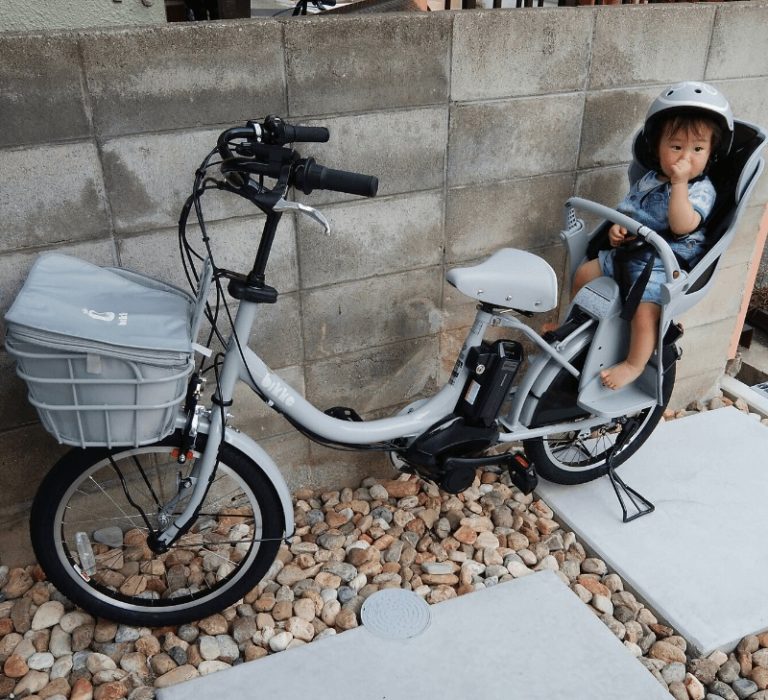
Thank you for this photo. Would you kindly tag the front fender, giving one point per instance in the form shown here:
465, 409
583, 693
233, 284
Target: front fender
254, 451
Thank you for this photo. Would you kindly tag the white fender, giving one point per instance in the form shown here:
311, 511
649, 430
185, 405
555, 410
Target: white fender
252, 449
243, 443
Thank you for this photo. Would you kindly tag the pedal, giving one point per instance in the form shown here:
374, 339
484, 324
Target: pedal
344, 413
522, 473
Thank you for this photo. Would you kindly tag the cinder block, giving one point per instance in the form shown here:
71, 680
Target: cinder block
184, 75
739, 46
604, 185
506, 139
747, 97
42, 96
367, 313
26, 454
335, 469
234, 244
51, 194
723, 300
742, 248
705, 347
405, 149
276, 335
611, 119
291, 453
372, 238
509, 53
368, 62
376, 377
149, 177
525, 214
15, 266
635, 46
15, 410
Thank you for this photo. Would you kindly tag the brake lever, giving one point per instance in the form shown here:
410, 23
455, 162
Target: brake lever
285, 205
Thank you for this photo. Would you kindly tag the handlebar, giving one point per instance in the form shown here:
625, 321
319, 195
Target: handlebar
635, 228
261, 150
309, 175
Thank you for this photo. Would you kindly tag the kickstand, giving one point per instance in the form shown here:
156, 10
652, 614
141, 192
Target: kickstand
641, 504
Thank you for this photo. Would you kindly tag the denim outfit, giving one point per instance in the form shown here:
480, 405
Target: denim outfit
648, 203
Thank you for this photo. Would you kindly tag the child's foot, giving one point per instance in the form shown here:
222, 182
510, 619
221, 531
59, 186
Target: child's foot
620, 375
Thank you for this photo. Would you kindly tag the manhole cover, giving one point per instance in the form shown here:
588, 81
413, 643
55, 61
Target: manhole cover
395, 613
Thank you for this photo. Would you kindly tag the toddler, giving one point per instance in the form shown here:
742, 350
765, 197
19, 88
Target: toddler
686, 127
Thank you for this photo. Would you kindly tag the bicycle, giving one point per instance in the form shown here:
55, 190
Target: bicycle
180, 521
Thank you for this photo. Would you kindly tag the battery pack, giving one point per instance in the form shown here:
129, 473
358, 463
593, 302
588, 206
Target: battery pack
492, 371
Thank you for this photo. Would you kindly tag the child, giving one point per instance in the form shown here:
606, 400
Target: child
687, 126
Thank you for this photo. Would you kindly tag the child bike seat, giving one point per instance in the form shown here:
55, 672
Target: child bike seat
509, 278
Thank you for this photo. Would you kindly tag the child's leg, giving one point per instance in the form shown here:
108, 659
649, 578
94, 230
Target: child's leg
642, 343
587, 272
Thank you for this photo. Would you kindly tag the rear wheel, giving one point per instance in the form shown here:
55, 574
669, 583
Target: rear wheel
578, 456
91, 525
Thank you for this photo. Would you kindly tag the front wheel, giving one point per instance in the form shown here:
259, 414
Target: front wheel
93, 515
575, 457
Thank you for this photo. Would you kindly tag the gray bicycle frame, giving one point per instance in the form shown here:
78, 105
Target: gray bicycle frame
241, 363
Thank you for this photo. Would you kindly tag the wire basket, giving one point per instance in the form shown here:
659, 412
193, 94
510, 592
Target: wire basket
125, 403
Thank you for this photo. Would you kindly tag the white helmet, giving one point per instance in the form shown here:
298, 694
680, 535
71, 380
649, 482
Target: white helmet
689, 97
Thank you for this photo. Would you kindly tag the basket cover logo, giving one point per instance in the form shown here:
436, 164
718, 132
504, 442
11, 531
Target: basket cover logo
108, 316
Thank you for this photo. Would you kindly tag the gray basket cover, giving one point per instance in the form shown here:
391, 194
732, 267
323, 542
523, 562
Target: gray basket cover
69, 304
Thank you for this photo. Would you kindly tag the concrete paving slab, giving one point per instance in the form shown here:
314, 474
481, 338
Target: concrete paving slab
529, 638
700, 559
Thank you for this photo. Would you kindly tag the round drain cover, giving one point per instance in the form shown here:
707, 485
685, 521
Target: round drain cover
395, 613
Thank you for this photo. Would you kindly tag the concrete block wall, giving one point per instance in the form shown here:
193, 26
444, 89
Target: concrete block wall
478, 124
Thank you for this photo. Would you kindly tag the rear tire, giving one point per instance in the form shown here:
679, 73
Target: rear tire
566, 458
230, 546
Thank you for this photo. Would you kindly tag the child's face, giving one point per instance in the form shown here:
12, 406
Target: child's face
685, 152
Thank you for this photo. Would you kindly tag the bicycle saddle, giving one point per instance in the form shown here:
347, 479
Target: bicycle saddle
509, 278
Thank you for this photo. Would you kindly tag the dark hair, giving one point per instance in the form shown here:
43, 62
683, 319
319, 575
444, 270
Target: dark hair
685, 120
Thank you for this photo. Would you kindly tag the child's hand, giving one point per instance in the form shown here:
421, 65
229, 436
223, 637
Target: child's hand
618, 235
681, 172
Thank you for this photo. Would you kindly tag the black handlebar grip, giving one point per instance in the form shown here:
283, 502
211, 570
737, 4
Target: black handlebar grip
316, 176
306, 134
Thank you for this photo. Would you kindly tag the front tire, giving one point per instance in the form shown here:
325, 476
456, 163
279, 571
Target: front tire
109, 500
568, 458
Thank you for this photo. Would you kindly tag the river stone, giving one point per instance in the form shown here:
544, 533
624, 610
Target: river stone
176, 675
723, 690
32, 682
673, 672
704, 669
209, 647
729, 671
48, 615
743, 687
41, 661
110, 536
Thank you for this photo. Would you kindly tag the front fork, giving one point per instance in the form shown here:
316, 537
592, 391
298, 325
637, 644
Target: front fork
204, 469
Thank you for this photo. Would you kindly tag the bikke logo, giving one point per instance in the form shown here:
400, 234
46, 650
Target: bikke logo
279, 390
107, 316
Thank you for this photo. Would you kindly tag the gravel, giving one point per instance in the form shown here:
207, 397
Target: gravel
350, 543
